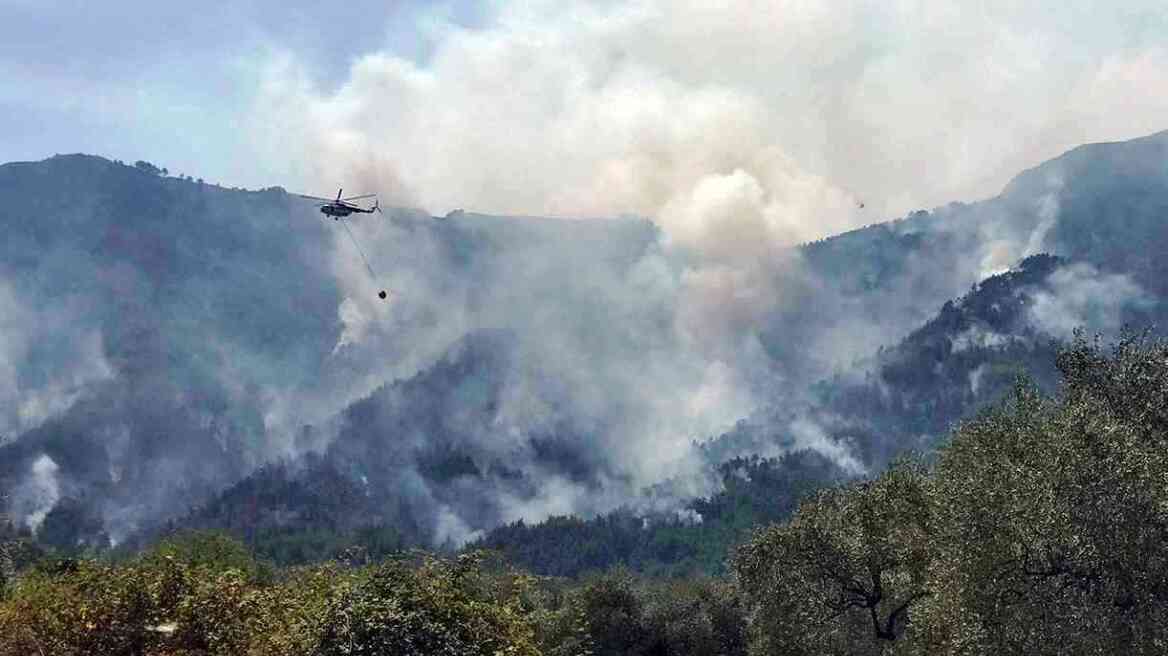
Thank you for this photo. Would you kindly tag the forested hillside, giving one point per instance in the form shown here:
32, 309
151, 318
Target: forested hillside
185, 355
966, 358
691, 542
1036, 528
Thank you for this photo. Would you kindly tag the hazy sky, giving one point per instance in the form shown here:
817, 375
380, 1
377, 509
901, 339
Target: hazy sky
174, 82
792, 109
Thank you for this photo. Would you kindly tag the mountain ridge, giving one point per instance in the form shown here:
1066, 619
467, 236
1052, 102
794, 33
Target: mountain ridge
213, 345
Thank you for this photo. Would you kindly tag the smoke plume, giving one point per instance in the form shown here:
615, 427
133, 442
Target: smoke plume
217, 331
37, 494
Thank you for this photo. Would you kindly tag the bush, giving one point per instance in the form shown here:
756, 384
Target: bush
441, 607
89, 609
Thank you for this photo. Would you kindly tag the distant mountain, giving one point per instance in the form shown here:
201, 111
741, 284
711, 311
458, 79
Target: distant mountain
1087, 228
165, 337
905, 396
144, 316
177, 351
1101, 204
403, 456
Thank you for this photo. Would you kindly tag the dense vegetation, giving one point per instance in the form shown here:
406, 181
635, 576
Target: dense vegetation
754, 491
1038, 529
693, 539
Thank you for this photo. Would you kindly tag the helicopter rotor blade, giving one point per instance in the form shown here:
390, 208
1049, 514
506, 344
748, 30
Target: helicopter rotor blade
339, 194
358, 197
326, 200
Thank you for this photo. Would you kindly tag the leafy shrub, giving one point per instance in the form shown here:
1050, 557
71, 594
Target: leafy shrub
441, 607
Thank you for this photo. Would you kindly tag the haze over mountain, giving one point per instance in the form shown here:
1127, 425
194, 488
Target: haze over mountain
164, 338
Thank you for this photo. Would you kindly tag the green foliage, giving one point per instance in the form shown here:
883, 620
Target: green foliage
443, 607
291, 615
695, 617
214, 613
614, 615
844, 574
204, 594
619, 614
561, 628
1055, 514
147, 167
754, 490
298, 546
207, 551
194, 593
89, 609
1039, 531
10, 546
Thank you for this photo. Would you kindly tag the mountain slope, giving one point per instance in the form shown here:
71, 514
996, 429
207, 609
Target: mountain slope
147, 316
1099, 204
165, 338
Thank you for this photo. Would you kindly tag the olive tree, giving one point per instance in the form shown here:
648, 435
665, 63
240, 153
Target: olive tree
1053, 515
845, 574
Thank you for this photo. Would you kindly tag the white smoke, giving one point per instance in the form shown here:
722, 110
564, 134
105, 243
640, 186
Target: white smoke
38, 383
809, 435
623, 108
37, 494
1007, 235
1048, 212
977, 337
539, 116
1080, 296
740, 128
975, 377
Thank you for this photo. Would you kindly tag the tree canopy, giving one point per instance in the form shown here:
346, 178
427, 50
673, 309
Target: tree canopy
1040, 530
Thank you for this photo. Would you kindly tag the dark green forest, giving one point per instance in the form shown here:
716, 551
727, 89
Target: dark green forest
1035, 527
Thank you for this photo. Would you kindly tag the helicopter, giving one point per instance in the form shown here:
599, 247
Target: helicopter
339, 208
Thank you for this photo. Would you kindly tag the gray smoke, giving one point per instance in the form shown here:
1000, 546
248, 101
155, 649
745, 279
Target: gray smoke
37, 494
1080, 295
193, 335
740, 130
635, 107
45, 361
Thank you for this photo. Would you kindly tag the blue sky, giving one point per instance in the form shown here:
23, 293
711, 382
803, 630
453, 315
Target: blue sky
171, 81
